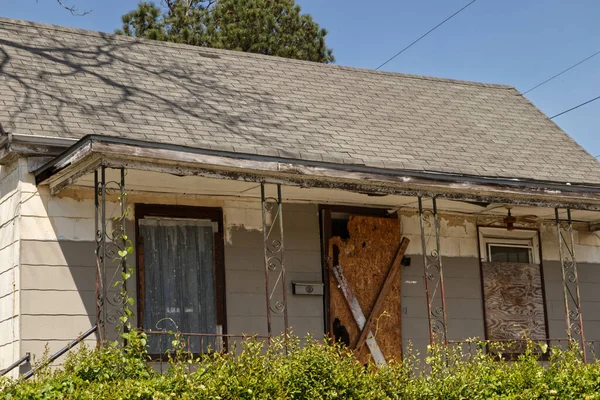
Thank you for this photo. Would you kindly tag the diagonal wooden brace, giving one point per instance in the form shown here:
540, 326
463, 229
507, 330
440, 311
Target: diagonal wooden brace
357, 313
385, 289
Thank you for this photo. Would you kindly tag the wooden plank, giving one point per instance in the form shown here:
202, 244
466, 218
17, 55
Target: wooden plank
366, 256
387, 287
359, 316
514, 302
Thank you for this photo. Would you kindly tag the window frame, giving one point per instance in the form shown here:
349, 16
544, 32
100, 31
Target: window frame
213, 214
527, 246
529, 238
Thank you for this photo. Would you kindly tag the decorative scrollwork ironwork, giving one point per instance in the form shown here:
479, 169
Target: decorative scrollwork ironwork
433, 273
572, 298
272, 217
111, 250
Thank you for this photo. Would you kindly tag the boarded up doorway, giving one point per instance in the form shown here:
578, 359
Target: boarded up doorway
365, 251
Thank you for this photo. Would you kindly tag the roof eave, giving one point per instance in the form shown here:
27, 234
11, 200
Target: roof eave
93, 150
13, 146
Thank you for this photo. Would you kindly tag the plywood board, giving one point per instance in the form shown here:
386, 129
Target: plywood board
514, 301
366, 257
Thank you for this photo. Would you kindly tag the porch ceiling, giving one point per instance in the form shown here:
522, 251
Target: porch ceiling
152, 183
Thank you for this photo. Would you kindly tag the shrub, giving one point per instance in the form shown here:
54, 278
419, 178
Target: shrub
314, 370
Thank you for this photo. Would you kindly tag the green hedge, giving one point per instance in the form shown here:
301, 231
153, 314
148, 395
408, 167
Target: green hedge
312, 371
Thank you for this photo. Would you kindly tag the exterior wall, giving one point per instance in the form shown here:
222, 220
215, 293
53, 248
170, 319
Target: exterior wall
244, 264
462, 278
55, 261
10, 200
462, 275
58, 266
57, 269
587, 253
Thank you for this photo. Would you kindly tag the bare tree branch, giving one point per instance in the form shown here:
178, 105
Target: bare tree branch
72, 9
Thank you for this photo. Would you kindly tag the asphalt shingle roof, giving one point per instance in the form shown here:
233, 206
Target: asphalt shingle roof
65, 82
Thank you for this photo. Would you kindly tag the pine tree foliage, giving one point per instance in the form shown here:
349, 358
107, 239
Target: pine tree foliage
271, 27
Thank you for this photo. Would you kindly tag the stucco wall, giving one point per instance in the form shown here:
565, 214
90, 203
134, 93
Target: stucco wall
10, 200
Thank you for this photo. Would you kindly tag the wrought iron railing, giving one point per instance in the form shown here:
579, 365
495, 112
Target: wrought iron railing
513, 347
593, 350
194, 344
214, 342
24, 359
59, 353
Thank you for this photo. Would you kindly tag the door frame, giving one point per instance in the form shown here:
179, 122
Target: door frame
325, 211
214, 214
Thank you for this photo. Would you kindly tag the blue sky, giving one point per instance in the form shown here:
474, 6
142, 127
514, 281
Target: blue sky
514, 42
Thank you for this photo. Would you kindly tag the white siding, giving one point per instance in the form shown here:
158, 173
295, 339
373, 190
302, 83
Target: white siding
10, 197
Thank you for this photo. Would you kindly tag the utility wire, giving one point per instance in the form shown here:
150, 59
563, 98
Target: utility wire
425, 34
561, 72
576, 107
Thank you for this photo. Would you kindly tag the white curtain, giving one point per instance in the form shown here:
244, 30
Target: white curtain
179, 281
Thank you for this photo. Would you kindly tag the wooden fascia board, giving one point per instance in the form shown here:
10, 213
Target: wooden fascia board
13, 146
255, 170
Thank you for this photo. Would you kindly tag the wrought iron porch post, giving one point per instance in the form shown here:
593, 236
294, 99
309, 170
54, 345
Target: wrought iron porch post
572, 299
275, 285
110, 243
122, 223
433, 273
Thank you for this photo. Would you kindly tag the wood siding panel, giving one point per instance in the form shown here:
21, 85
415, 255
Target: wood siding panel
514, 302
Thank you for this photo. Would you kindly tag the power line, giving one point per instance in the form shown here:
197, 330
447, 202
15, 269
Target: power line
425, 34
576, 107
561, 72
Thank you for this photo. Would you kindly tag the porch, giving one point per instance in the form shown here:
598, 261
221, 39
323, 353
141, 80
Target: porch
271, 241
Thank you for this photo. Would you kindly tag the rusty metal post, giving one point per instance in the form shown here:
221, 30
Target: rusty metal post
275, 284
122, 226
433, 274
110, 243
570, 280
100, 237
98, 283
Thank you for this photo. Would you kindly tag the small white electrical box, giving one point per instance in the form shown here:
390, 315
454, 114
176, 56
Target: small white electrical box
309, 288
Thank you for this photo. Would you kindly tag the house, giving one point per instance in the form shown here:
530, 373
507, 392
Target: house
243, 181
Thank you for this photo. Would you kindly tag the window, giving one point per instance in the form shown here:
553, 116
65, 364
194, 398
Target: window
513, 296
500, 245
179, 279
509, 253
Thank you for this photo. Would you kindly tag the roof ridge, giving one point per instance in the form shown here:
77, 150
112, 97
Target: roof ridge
235, 53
